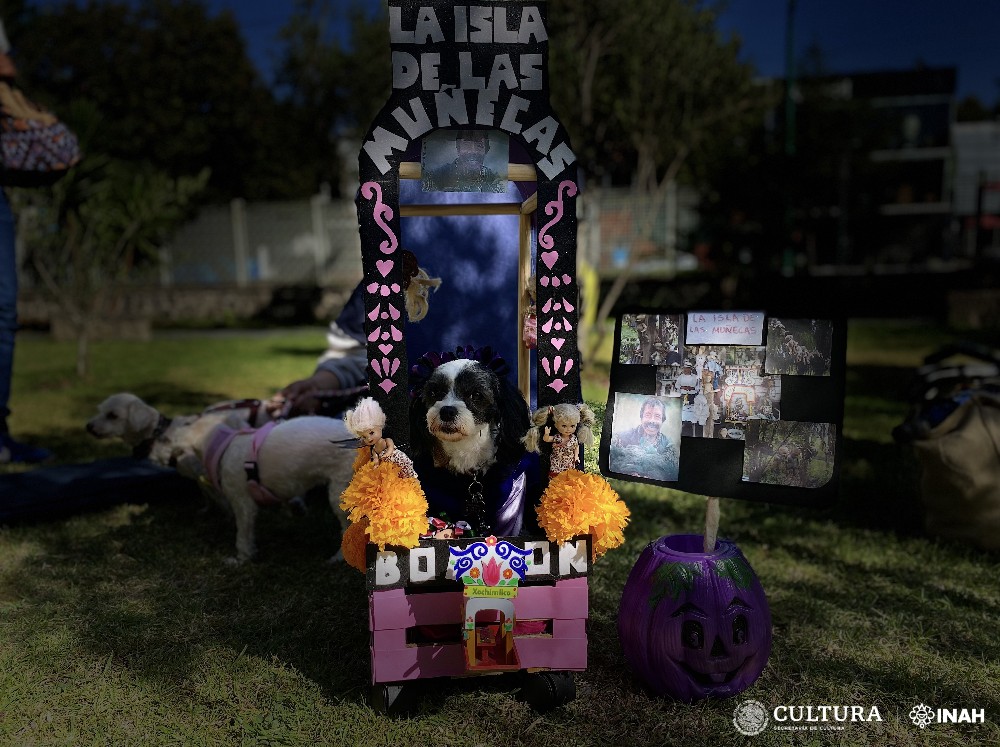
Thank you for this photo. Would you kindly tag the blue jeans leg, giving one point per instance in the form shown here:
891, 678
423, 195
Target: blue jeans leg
8, 305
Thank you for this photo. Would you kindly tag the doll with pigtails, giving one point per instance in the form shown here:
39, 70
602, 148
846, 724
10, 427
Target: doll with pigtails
573, 426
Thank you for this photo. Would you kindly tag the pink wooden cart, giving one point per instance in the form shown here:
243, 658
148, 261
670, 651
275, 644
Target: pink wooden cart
458, 608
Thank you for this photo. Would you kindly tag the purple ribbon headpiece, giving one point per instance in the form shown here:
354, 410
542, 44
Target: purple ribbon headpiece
425, 365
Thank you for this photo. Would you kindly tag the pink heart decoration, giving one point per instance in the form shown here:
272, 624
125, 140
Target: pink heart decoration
384, 266
558, 342
558, 385
386, 349
549, 258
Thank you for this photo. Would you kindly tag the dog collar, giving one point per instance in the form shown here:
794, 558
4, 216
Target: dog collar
143, 449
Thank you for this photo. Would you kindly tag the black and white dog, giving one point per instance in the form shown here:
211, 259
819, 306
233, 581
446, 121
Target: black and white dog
466, 425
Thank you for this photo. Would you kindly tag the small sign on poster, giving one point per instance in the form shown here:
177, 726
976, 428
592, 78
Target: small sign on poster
725, 327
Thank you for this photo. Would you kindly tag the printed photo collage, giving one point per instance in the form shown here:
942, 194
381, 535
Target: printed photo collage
719, 375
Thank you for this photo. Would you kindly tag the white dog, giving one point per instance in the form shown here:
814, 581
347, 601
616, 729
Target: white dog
246, 467
152, 435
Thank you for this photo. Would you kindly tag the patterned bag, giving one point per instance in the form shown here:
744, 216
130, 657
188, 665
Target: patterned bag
36, 149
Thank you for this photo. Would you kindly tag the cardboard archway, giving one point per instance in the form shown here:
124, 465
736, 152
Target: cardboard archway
470, 67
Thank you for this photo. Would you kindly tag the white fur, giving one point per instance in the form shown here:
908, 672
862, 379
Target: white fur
124, 416
463, 445
296, 456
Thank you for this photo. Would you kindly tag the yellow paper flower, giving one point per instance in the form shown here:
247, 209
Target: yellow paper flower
363, 457
396, 507
354, 544
580, 503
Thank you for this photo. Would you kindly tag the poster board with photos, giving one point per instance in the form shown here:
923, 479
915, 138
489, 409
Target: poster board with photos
732, 404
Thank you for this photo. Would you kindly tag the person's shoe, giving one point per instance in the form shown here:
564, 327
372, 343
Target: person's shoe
14, 452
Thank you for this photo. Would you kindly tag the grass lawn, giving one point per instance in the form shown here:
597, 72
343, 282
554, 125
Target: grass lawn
123, 627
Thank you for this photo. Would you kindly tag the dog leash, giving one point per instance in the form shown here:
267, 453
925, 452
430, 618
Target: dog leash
475, 507
249, 404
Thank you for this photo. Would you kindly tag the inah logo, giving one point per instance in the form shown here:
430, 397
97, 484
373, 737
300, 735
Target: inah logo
750, 718
922, 716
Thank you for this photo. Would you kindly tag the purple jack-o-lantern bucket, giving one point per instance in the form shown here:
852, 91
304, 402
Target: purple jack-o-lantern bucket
693, 624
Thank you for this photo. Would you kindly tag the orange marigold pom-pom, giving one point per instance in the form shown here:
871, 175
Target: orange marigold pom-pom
395, 506
581, 503
364, 456
354, 544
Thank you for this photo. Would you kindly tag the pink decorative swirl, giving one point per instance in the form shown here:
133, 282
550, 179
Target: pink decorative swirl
555, 208
381, 213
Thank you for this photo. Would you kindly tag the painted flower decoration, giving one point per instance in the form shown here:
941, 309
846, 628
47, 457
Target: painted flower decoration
491, 573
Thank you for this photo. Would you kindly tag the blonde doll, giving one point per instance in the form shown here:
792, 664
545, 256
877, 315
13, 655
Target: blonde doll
574, 426
367, 421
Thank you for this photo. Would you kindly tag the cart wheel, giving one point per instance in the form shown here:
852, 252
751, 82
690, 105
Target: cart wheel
392, 698
544, 691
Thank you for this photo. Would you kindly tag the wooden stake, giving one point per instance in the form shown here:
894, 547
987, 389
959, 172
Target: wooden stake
711, 523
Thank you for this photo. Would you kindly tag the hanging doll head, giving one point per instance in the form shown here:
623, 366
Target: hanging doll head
417, 284
366, 421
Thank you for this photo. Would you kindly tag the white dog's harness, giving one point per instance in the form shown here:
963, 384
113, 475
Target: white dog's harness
217, 445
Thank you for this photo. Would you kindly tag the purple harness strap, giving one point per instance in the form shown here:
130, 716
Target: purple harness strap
221, 438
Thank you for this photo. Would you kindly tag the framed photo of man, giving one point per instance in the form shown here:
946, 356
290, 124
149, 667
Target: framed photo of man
464, 161
645, 436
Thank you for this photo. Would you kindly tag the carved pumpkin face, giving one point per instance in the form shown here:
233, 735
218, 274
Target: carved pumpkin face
694, 625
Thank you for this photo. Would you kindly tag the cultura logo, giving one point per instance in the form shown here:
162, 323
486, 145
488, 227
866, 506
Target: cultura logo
750, 718
923, 716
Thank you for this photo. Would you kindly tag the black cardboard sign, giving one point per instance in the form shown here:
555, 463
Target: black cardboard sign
730, 404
